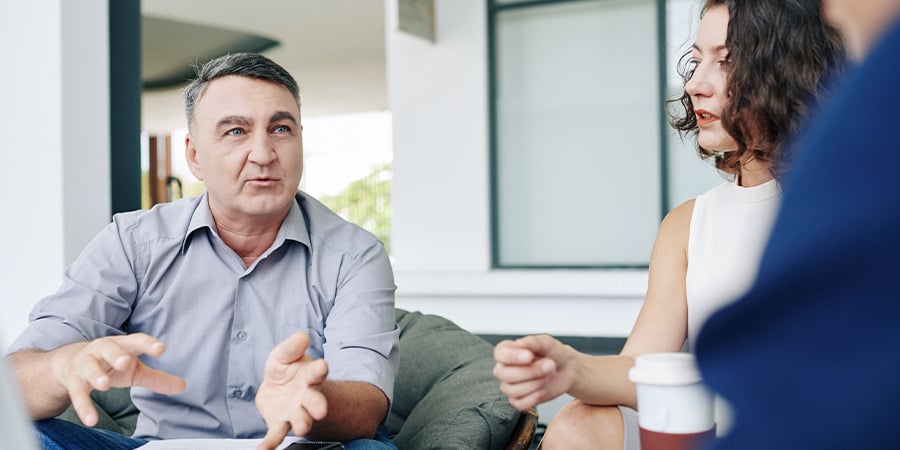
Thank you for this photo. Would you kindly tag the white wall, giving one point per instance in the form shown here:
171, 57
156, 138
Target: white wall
437, 93
55, 122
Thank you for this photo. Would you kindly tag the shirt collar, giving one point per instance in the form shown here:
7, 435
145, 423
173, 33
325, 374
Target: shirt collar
293, 228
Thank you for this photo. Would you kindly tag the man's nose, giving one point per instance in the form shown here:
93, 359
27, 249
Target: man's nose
262, 150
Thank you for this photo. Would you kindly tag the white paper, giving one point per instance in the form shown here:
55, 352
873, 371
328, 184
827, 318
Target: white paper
228, 444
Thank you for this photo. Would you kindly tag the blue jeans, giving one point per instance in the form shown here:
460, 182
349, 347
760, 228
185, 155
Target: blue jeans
55, 434
381, 442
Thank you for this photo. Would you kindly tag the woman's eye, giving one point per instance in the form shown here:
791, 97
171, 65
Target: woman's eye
690, 68
726, 60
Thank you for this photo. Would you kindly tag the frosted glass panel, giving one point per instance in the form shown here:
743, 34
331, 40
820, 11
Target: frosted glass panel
578, 134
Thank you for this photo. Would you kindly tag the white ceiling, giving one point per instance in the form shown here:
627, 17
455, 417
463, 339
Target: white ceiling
334, 48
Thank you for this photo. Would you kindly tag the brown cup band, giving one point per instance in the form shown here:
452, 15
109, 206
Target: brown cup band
654, 440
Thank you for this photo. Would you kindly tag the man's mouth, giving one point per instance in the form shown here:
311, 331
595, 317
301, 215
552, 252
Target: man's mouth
263, 181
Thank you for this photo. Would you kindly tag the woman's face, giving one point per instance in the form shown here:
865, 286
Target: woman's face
708, 84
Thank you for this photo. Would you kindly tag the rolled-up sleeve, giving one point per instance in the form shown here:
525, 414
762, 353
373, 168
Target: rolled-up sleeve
361, 337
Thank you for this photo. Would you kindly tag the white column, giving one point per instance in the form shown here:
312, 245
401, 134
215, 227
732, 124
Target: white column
437, 93
54, 189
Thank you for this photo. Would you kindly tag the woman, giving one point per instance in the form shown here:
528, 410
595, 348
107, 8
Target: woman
755, 71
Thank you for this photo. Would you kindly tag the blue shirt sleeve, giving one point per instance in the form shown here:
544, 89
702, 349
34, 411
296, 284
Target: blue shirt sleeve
361, 338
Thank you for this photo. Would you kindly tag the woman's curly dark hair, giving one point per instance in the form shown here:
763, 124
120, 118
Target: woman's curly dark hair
781, 57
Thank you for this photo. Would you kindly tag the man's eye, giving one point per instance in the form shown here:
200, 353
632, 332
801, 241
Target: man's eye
235, 132
281, 129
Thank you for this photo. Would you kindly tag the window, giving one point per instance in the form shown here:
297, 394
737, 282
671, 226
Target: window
580, 142
347, 166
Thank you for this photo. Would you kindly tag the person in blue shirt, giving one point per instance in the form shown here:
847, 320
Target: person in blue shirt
809, 355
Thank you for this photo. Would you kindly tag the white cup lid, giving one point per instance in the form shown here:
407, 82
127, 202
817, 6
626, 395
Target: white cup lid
667, 369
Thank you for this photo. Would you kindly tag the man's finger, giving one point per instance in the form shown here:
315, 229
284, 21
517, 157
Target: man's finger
93, 372
291, 349
274, 435
315, 403
301, 423
157, 380
80, 394
316, 372
113, 354
141, 343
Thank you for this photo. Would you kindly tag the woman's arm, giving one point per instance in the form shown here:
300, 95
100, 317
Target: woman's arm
661, 325
535, 369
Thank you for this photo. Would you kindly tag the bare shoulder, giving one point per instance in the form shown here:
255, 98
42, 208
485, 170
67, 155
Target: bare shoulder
677, 223
662, 322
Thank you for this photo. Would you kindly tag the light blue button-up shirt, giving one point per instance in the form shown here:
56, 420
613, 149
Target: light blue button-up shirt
166, 272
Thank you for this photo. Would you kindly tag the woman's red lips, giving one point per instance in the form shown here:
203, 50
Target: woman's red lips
705, 117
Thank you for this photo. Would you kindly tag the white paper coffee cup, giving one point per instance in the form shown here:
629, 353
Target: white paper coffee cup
671, 396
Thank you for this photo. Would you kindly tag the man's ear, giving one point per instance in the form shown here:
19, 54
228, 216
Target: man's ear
192, 156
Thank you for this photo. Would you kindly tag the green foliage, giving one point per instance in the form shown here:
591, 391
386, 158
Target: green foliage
367, 203
192, 189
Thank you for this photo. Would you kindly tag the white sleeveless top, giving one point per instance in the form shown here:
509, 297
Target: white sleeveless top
729, 229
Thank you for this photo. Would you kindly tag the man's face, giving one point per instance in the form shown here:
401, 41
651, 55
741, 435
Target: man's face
245, 144
860, 22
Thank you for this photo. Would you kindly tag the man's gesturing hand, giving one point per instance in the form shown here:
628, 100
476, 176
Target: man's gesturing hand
110, 362
289, 398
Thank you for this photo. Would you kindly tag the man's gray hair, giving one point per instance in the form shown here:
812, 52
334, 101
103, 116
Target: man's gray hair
249, 65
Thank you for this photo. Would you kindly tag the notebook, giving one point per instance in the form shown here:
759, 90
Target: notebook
15, 425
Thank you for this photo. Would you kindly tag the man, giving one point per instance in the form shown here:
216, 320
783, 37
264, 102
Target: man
809, 355
251, 268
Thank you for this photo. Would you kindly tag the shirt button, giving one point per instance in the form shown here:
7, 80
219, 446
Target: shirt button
242, 335
238, 393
